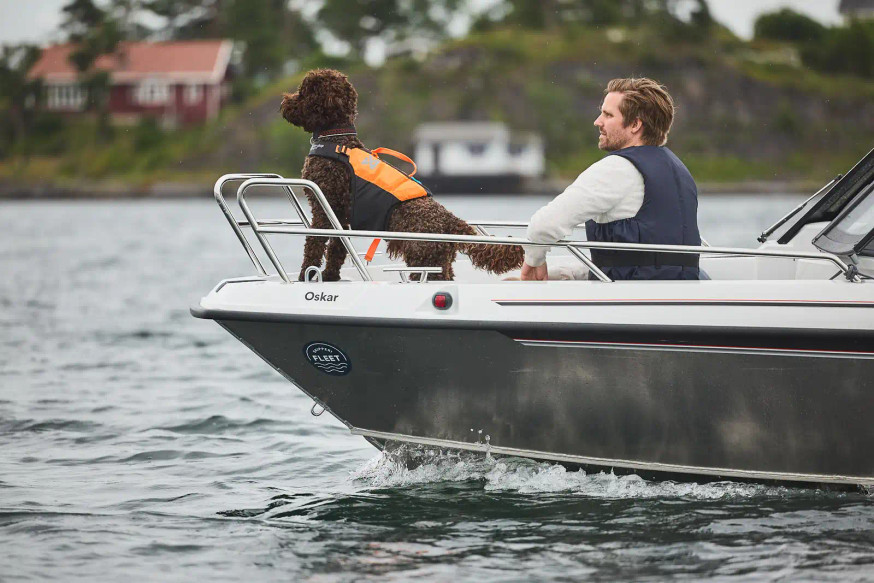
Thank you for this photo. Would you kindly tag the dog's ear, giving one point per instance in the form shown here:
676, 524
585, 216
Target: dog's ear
290, 108
344, 99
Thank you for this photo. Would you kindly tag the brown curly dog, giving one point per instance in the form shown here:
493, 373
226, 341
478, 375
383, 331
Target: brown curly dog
326, 103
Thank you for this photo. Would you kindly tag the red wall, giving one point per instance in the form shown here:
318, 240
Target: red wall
122, 102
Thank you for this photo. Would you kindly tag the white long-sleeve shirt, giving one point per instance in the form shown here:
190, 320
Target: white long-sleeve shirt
608, 190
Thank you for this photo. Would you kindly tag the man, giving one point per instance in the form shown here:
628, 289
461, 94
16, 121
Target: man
641, 193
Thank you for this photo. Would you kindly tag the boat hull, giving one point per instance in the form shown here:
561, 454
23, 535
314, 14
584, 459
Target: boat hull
728, 403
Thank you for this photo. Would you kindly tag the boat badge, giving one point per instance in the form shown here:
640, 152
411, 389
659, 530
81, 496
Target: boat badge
327, 358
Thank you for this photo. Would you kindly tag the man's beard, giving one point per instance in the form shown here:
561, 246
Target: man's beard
611, 144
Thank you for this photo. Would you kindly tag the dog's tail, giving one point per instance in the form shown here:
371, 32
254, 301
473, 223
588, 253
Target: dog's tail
496, 259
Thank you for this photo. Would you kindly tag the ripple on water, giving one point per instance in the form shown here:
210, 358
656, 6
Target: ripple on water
219, 424
32, 425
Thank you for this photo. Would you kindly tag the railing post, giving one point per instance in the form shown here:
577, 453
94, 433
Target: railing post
590, 264
347, 242
320, 197
220, 199
256, 228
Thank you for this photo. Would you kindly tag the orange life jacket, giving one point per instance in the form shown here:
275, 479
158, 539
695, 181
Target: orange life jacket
376, 186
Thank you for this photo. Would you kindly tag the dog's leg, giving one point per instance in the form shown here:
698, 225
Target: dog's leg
441, 255
336, 256
447, 258
448, 272
314, 248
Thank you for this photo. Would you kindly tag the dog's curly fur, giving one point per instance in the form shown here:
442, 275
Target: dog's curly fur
327, 100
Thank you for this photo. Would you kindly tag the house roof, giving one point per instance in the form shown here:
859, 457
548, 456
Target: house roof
204, 61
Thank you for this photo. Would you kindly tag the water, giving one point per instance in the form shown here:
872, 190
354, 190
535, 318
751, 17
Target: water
137, 442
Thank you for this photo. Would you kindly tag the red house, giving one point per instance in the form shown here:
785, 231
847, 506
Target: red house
178, 83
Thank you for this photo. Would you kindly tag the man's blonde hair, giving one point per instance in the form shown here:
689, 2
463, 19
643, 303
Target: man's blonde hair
648, 101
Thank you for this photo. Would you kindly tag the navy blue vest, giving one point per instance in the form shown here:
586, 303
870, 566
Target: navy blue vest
668, 216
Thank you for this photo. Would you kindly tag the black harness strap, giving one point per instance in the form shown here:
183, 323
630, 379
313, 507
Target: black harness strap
334, 132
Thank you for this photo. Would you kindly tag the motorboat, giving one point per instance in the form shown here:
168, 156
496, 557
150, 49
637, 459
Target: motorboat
764, 372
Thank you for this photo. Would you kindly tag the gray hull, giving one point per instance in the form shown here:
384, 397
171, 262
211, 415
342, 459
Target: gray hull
726, 407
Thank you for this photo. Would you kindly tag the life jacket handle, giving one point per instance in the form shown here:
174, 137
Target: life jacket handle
371, 251
395, 154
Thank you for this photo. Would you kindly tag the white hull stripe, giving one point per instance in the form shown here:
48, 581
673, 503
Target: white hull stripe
617, 463
696, 348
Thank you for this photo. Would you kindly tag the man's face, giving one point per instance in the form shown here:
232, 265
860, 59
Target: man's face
613, 133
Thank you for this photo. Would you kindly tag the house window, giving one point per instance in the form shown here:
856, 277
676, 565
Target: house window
193, 94
152, 93
65, 97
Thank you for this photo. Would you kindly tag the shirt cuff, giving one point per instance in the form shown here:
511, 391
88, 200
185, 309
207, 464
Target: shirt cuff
535, 256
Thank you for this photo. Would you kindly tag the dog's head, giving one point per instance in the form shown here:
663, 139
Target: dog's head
325, 100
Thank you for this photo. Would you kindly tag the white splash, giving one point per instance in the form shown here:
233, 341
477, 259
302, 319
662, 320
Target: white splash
408, 466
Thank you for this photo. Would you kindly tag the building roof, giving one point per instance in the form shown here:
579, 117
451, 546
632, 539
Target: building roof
461, 130
851, 6
473, 131
204, 61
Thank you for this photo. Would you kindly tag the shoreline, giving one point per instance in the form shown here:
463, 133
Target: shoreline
167, 190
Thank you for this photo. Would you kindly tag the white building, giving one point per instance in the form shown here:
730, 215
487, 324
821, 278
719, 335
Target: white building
476, 149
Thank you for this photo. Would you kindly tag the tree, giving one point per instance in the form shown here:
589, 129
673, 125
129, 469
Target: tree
789, 26
848, 49
259, 24
176, 12
550, 14
701, 16
359, 22
19, 95
95, 34
125, 12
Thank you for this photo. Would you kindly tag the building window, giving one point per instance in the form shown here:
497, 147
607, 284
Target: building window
476, 148
193, 94
516, 149
152, 93
65, 97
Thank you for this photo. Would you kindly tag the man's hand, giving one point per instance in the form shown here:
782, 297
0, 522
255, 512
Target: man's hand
534, 273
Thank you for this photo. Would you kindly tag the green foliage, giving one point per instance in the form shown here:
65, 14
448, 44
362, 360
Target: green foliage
847, 49
18, 95
786, 120
95, 34
260, 24
552, 14
560, 14
147, 134
358, 22
728, 168
288, 147
80, 18
788, 25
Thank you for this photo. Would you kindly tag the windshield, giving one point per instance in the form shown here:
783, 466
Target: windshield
840, 197
852, 231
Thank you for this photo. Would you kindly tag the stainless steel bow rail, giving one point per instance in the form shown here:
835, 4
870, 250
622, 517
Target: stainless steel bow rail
262, 228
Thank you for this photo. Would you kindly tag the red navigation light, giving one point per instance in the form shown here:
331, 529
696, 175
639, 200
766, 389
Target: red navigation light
442, 301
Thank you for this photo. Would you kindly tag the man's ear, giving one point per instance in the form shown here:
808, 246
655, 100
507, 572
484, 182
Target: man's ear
636, 126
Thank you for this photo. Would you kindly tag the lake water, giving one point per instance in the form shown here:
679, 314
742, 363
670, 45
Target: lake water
139, 443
